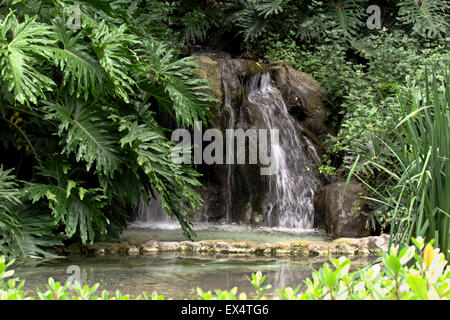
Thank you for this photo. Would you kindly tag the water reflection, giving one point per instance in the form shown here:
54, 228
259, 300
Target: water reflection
171, 275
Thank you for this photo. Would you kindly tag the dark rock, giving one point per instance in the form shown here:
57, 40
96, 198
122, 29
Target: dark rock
302, 96
341, 216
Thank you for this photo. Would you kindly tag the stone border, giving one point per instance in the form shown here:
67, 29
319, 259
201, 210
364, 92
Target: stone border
342, 246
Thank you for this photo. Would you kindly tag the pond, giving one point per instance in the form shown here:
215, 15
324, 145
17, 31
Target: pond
204, 231
176, 275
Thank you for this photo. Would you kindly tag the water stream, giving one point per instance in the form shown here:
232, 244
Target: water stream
289, 202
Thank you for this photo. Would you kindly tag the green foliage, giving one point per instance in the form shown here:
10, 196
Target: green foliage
257, 282
24, 230
9, 195
83, 73
196, 26
414, 273
397, 279
348, 14
80, 106
86, 133
21, 46
417, 186
361, 99
425, 17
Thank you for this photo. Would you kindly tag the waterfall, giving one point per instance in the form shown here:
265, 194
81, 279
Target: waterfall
153, 215
289, 201
238, 193
231, 124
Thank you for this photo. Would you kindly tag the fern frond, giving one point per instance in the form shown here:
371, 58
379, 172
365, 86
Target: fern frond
196, 26
267, 8
152, 17
9, 196
79, 209
87, 133
252, 23
37, 234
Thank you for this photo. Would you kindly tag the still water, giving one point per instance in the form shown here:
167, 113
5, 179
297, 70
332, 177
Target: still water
171, 232
173, 276
177, 276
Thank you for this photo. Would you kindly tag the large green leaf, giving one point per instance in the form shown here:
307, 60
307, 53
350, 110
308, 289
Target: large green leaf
174, 83
428, 18
21, 46
77, 208
113, 48
87, 133
82, 72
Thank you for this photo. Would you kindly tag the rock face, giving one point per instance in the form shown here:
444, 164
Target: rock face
302, 96
341, 216
300, 91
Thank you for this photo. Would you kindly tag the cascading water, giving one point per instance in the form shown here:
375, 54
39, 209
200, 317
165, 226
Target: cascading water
289, 200
153, 215
231, 124
236, 193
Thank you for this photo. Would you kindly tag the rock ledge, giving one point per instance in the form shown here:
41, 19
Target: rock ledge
338, 247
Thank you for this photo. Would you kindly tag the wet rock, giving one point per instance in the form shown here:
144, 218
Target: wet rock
150, 247
302, 96
376, 244
319, 249
344, 249
133, 251
341, 216
341, 246
366, 245
169, 246
300, 248
222, 246
281, 248
139, 240
210, 70
73, 249
189, 246
109, 248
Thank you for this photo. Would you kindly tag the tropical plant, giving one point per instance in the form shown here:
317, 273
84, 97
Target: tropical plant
425, 17
416, 187
81, 101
